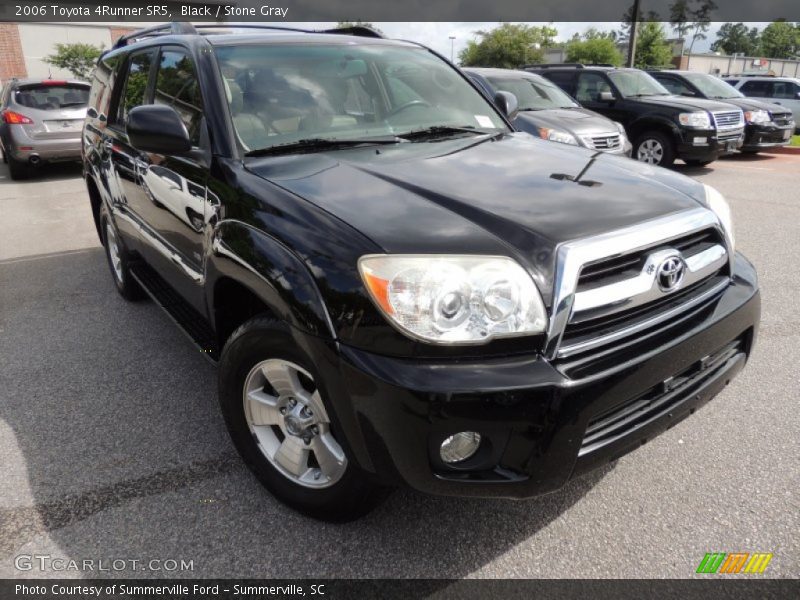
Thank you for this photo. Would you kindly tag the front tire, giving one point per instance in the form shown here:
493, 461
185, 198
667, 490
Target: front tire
654, 148
276, 410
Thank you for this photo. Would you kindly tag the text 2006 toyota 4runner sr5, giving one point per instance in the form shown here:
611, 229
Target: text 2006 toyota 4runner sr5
397, 287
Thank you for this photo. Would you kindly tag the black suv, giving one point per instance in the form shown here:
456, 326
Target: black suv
398, 288
768, 124
661, 126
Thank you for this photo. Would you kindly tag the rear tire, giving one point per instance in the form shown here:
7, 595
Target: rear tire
267, 390
654, 148
119, 262
17, 169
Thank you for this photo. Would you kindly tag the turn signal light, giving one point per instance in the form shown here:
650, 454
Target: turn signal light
14, 118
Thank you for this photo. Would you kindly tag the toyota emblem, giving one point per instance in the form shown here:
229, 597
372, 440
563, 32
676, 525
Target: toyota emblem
670, 273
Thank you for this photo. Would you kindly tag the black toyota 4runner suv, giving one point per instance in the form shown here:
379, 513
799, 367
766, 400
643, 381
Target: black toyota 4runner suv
397, 287
660, 125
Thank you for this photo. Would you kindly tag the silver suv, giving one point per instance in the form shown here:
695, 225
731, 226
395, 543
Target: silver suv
41, 121
778, 90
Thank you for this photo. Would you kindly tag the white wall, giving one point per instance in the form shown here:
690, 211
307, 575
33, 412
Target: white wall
40, 39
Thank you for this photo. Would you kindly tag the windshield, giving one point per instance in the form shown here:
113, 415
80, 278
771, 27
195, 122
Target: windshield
637, 83
533, 93
712, 87
52, 96
280, 94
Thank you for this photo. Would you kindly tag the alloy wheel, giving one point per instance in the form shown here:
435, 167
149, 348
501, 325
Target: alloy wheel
650, 151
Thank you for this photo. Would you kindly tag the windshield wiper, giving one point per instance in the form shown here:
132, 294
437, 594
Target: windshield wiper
313, 144
439, 131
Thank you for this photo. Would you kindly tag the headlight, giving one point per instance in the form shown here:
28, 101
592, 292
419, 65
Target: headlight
757, 116
701, 120
554, 135
620, 127
719, 205
447, 299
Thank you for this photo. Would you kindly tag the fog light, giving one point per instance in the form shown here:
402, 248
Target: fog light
700, 141
460, 446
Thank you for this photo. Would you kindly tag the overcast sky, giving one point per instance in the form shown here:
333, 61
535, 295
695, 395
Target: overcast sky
436, 35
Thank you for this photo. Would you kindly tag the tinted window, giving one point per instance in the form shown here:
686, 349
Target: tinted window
135, 84
783, 89
634, 84
103, 84
756, 88
590, 86
177, 86
48, 96
561, 79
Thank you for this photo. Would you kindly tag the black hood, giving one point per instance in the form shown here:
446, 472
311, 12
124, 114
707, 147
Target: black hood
753, 104
684, 103
512, 195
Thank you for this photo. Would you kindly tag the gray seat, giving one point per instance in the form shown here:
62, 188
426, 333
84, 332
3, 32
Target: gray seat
249, 127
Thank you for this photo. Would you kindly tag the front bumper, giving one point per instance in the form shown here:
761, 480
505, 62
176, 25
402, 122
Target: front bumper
22, 147
767, 135
705, 145
393, 413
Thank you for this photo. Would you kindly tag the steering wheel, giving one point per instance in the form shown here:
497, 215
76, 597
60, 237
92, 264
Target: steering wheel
402, 107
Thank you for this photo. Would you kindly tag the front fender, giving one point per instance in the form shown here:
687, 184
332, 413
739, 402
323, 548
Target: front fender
269, 270
654, 122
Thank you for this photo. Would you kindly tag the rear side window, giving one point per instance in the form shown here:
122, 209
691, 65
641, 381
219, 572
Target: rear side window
52, 95
177, 86
561, 79
135, 84
732, 81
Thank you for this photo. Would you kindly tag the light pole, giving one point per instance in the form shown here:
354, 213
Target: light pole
452, 46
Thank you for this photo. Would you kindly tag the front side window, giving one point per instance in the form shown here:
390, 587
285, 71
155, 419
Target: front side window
280, 94
756, 88
784, 89
533, 93
590, 86
177, 86
674, 86
635, 84
135, 84
50, 95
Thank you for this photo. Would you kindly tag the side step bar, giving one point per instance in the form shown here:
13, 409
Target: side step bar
191, 322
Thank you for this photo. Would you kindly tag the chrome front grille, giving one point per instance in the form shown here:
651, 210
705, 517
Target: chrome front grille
605, 141
729, 119
617, 289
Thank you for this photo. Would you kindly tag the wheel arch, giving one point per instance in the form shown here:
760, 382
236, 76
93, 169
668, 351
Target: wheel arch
637, 128
250, 273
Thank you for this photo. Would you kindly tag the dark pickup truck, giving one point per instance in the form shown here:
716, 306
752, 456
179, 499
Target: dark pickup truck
397, 288
660, 125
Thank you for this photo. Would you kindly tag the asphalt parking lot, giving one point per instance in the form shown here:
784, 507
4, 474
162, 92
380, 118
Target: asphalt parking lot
113, 447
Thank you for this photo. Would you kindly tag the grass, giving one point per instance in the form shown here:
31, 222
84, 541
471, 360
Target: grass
795, 140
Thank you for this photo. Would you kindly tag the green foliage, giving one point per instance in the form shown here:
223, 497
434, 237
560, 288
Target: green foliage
594, 50
780, 40
652, 49
508, 46
346, 24
78, 59
736, 38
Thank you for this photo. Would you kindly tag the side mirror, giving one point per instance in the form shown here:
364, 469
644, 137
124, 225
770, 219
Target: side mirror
507, 103
607, 97
157, 128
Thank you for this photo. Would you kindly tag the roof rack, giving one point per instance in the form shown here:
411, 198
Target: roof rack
566, 66
176, 28
183, 28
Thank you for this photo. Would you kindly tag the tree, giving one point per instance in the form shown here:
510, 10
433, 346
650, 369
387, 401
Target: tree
686, 20
652, 49
701, 21
78, 59
736, 38
508, 45
680, 17
594, 50
780, 40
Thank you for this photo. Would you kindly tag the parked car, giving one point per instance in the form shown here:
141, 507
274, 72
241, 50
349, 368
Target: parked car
41, 122
397, 288
766, 125
778, 90
547, 112
661, 126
